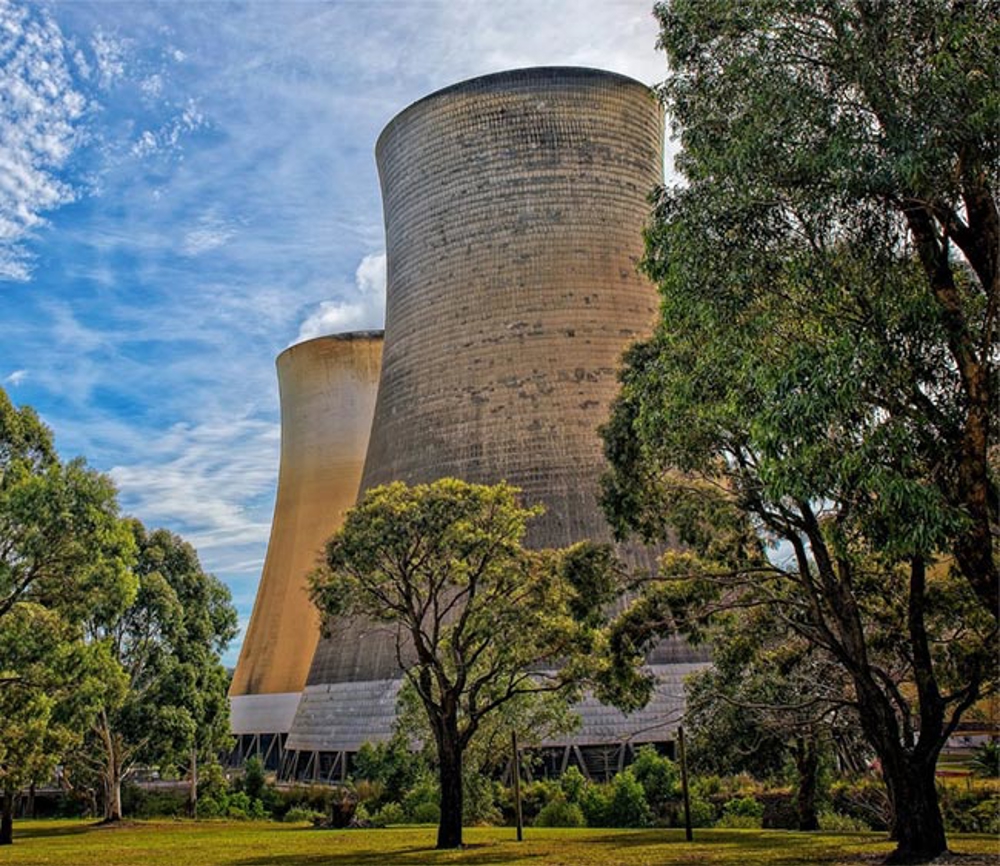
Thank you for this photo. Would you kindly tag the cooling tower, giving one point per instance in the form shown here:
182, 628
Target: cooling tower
514, 207
327, 388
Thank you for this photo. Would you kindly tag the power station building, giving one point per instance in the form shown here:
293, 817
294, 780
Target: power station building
514, 206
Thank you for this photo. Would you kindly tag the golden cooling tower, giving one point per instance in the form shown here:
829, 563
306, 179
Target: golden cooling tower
328, 387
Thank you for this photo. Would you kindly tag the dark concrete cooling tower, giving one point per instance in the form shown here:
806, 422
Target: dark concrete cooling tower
514, 207
327, 388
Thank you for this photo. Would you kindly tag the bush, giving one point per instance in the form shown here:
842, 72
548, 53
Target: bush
390, 813
572, 783
834, 822
658, 776
420, 799
425, 813
560, 813
244, 807
254, 778
986, 759
300, 814
627, 806
743, 807
702, 812
975, 809
595, 804
479, 800
140, 803
536, 795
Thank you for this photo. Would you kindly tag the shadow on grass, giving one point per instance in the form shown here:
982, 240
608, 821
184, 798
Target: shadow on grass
414, 855
40, 830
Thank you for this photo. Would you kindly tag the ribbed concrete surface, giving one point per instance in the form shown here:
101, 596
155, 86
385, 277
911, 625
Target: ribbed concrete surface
327, 388
514, 207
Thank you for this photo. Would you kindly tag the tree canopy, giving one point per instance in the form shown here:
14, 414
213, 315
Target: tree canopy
479, 622
823, 380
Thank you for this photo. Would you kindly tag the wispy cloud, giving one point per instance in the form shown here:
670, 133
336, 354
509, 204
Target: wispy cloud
40, 126
16, 378
186, 188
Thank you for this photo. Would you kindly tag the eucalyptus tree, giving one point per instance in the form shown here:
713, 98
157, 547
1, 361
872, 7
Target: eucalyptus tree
478, 621
167, 642
824, 375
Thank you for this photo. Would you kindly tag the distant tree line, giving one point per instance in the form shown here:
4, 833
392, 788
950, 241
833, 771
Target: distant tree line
110, 634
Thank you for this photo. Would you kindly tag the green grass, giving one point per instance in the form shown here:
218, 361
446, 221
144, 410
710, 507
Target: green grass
184, 843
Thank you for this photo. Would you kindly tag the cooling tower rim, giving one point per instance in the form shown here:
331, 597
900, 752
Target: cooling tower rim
506, 77
344, 336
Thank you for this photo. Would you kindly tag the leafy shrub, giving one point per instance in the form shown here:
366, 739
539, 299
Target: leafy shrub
627, 806
479, 805
658, 776
254, 778
141, 803
301, 814
743, 807
702, 812
420, 799
572, 783
393, 765
595, 803
390, 813
210, 807
425, 813
986, 760
244, 807
834, 822
538, 794
560, 813
312, 798
975, 809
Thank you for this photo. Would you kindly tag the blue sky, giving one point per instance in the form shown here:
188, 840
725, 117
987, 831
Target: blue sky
187, 188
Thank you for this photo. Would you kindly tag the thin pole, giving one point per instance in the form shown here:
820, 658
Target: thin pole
684, 785
517, 787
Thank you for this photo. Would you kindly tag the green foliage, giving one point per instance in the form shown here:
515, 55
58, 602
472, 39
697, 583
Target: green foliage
626, 803
425, 813
986, 759
744, 807
442, 565
390, 813
301, 814
560, 813
422, 801
254, 778
971, 808
659, 777
572, 783
814, 418
834, 822
393, 765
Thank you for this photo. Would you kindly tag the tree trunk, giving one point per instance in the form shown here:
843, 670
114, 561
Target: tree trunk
112, 792
450, 761
807, 764
917, 826
7, 818
192, 804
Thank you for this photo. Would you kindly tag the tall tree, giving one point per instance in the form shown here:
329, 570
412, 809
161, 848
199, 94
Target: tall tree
479, 622
825, 372
167, 643
63, 553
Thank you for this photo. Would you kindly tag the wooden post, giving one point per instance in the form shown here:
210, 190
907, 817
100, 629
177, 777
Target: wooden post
516, 772
684, 785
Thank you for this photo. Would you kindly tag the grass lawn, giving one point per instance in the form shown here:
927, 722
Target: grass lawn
184, 843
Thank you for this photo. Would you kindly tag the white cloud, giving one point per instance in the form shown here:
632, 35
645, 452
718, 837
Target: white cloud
366, 312
40, 127
210, 234
16, 378
109, 53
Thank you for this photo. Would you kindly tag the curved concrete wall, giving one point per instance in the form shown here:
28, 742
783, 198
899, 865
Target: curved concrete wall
327, 388
514, 206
